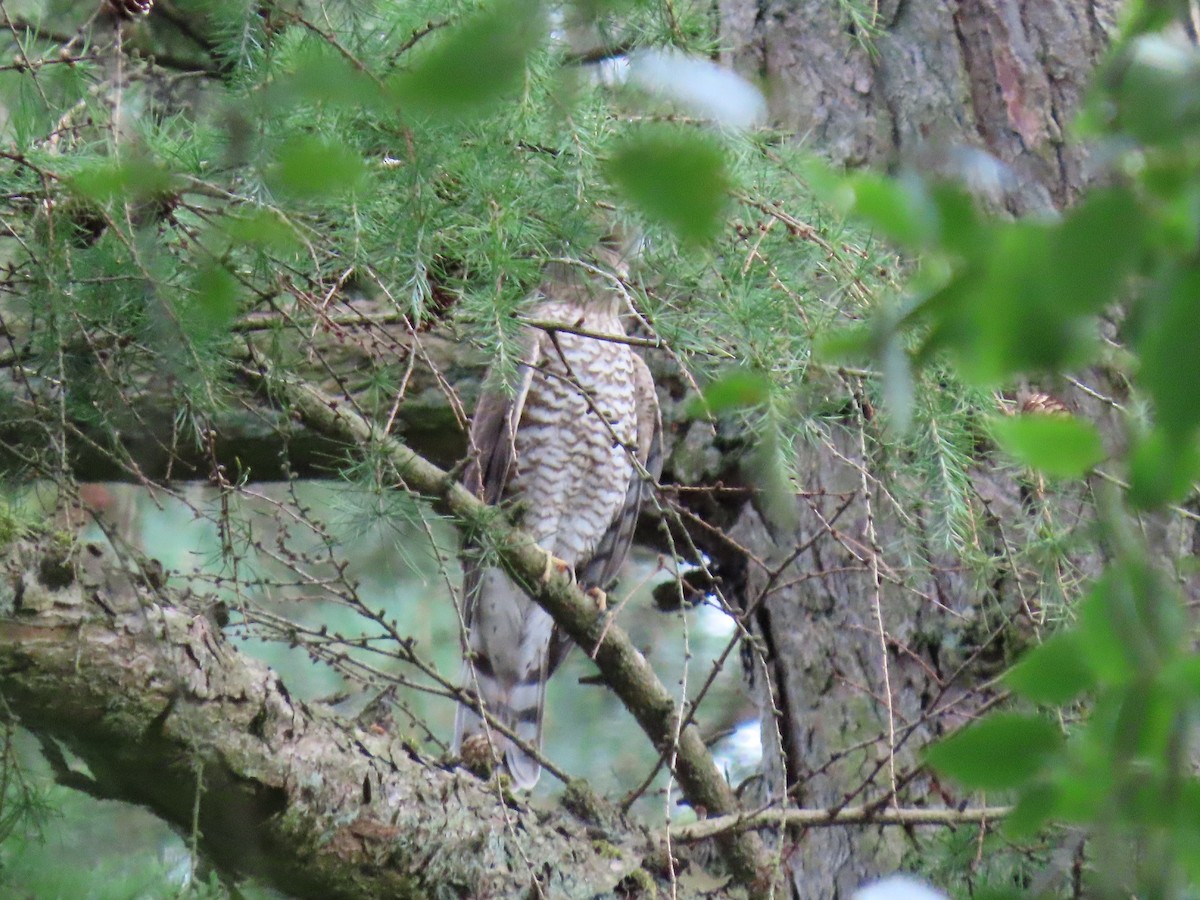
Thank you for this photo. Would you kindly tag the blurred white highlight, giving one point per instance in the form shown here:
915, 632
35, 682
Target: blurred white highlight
699, 86
1170, 53
898, 887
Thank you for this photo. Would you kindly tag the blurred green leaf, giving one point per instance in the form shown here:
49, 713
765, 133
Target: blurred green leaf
1131, 623
900, 208
1187, 827
309, 168
322, 75
216, 298
1162, 469
999, 315
1089, 774
1170, 363
476, 64
1103, 640
906, 208
1095, 249
1038, 802
1144, 723
831, 187
851, 344
676, 178
1054, 673
1184, 674
1158, 97
735, 389
960, 228
261, 228
1024, 293
1059, 445
1176, 227
1001, 751
121, 180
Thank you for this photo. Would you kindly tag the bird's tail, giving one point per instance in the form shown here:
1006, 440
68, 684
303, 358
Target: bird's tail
518, 706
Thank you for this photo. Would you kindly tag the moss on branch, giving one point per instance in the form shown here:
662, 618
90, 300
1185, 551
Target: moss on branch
138, 681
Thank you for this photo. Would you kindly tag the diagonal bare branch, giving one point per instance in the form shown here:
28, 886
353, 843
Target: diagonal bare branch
623, 667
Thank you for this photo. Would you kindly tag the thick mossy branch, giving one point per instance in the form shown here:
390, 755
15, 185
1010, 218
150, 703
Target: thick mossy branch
139, 681
624, 669
141, 438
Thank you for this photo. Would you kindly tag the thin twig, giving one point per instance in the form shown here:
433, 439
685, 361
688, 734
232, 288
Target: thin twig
847, 815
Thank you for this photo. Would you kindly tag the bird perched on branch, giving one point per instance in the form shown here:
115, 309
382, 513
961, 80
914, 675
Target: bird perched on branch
576, 445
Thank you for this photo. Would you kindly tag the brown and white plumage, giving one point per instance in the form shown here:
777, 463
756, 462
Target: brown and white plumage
571, 444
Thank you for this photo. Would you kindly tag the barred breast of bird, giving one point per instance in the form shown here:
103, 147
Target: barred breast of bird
572, 476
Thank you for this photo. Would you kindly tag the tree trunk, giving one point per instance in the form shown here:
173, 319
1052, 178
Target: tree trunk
873, 639
919, 82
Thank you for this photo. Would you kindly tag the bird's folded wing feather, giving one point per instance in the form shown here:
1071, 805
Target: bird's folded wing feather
493, 449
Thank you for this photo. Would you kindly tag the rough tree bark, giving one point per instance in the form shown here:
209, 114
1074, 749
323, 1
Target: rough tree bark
927, 82
925, 79
136, 677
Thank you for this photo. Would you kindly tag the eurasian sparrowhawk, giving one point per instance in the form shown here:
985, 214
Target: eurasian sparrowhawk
574, 445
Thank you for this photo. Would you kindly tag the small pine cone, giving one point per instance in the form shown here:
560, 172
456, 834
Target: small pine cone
129, 9
1038, 402
476, 753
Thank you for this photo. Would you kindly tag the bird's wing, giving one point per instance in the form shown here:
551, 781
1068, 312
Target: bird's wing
492, 603
494, 428
492, 451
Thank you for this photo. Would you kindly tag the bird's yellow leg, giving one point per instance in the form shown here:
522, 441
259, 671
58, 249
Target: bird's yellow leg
598, 597
553, 563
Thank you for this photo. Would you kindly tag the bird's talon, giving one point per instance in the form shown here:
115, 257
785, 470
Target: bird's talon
598, 597
554, 563
477, 755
